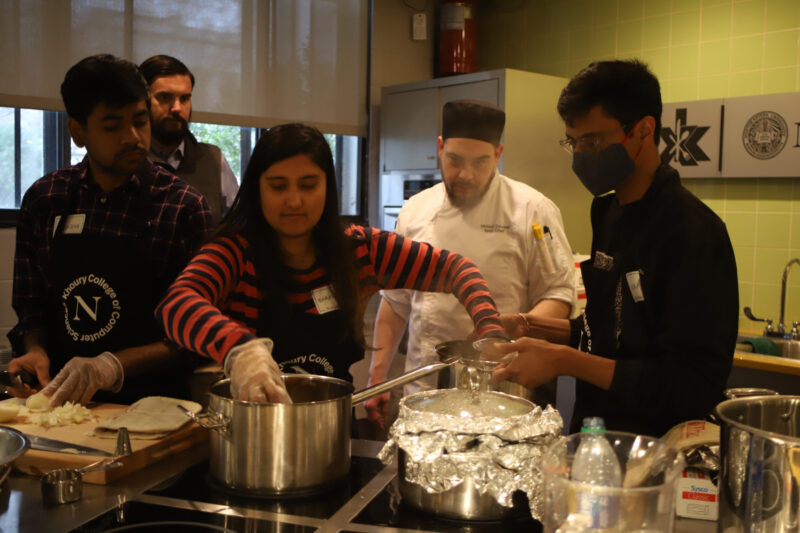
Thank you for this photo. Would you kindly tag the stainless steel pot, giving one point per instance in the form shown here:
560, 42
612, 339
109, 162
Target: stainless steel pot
470, 363
288, 449
743, 392
760, 480
463, 501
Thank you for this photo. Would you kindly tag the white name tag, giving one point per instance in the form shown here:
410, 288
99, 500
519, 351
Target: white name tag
635, 285
324, 300
74, 223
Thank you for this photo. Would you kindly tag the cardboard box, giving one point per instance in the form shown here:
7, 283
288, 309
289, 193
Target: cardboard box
696, 496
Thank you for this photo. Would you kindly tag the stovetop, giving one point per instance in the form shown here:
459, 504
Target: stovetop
366, 500
138, 516
196, 484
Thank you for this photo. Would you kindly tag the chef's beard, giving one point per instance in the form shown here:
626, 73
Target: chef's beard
470, 200
169, 137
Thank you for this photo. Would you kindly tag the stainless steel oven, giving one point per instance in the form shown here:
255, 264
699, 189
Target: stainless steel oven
390, 213
396, 188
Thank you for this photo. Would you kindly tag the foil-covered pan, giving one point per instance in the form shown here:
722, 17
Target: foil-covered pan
492, 440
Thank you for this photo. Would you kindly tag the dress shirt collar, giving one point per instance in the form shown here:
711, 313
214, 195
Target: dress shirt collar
173, 158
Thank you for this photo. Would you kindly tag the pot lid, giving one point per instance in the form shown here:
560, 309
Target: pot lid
467, 404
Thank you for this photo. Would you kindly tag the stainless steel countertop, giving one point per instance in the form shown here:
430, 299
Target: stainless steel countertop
22, 508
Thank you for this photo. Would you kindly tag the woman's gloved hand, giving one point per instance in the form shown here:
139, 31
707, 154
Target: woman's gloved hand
255, 376
81, 377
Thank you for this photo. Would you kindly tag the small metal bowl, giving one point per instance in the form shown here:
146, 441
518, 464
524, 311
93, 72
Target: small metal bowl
64, 485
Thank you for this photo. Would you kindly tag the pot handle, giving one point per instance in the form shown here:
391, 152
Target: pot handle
218, 422
402, 379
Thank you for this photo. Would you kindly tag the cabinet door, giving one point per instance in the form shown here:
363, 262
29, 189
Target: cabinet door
487, 90
409, 129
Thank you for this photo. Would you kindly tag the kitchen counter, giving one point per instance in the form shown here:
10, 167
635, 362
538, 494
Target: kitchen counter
768, 363
22, 509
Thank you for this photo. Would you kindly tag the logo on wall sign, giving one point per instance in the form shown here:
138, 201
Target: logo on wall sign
765, 134
91, 308
681, 143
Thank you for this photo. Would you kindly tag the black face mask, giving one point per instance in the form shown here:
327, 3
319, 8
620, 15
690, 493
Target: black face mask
603, 171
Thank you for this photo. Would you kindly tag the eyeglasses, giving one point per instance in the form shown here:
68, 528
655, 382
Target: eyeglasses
590, 142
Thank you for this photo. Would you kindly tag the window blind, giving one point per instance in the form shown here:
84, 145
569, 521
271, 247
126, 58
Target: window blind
257, 63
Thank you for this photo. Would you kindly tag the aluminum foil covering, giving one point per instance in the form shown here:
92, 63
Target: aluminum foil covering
704, 457
502, 454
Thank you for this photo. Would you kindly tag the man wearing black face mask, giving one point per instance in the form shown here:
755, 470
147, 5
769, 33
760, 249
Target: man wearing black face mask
655, 344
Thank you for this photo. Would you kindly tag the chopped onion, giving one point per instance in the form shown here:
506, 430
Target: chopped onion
8, 411
69, 413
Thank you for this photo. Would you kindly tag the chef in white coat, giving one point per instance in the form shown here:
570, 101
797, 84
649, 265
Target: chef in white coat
488, 217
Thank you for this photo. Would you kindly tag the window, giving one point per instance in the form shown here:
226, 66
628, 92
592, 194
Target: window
21, 148
237, 144
347, 151
232, 140
35, 142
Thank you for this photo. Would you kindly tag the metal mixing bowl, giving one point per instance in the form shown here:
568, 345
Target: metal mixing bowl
12, 445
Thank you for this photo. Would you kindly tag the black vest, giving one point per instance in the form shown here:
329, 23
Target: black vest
200, 168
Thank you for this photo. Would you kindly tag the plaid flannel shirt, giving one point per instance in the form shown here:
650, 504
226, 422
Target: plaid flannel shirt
177, 214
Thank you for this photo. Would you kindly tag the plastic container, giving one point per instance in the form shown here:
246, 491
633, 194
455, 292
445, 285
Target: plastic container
595, 463
649, 467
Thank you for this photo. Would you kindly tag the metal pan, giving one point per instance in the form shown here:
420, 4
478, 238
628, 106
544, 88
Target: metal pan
288, 449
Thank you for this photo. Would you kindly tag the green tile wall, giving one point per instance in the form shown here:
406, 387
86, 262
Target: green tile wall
699, 49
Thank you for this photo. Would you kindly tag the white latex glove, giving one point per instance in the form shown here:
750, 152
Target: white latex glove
81, 377
255, 376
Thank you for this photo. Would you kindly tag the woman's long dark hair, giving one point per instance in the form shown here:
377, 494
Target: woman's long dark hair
334, 250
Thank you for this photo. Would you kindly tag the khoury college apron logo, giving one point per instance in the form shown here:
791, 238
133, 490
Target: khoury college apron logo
681, 143
318, 363
765, 134
91, 308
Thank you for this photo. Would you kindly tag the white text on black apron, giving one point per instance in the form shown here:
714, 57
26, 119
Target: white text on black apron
91, 308
310, 362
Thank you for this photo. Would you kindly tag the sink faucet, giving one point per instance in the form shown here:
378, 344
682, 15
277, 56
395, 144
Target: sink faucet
781, 327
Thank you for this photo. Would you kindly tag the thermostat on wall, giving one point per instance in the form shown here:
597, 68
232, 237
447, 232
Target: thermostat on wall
418, 27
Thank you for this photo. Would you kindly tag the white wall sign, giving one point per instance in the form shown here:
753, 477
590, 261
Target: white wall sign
690, 137
760, 138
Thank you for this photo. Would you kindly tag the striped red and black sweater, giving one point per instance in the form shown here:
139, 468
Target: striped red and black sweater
215, 302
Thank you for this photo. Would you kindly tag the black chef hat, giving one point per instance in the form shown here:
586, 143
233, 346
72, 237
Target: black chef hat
473, 119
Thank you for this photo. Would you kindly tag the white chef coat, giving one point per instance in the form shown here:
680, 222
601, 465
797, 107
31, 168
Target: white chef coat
496, 235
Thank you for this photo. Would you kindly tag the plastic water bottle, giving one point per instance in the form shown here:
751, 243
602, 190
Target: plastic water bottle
595, 463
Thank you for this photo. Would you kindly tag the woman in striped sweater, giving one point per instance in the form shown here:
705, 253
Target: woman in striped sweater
282, 286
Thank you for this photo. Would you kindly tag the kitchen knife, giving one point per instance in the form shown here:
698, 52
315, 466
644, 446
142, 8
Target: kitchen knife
58, 446
17, 379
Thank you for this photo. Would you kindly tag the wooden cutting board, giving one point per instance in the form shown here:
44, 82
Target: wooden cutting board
144, 452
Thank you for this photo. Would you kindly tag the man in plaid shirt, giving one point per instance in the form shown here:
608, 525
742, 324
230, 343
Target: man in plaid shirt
97, 244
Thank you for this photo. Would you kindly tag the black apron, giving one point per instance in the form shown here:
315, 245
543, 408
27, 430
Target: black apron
618, 324
309, 342
102, 297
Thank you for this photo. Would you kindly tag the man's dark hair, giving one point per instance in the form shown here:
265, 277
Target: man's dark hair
161, 65
626, 90
101, 79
